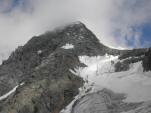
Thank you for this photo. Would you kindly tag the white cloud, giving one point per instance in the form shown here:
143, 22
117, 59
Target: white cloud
104, 17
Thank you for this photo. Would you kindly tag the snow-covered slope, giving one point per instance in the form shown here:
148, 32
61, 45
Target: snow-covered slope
134, 82
100, 73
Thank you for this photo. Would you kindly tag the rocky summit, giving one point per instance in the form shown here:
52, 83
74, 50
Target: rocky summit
37, 77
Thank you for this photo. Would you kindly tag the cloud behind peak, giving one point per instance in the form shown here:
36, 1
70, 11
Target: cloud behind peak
116, 23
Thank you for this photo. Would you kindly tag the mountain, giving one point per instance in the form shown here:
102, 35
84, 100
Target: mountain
45, 75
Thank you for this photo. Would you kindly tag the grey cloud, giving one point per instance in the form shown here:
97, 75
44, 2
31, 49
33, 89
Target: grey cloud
103, 17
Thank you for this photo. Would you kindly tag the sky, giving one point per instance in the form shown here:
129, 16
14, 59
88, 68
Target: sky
117, 23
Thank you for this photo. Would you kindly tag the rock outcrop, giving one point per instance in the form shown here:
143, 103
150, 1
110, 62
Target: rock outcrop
104, 101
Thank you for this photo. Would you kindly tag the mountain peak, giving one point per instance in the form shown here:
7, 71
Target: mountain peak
46, 66
76, 23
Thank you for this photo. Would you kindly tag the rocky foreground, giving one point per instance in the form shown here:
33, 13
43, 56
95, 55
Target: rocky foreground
41, 71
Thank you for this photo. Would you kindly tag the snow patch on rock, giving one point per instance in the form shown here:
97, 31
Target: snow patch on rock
10, 92
39, 52
68, 46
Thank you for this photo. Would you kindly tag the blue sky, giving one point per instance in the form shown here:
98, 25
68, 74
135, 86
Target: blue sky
118, 23
16, 3
13, 4
145, 36
9, 6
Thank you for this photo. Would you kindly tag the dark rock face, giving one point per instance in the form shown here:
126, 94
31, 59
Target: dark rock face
43, 65
120, 66
48, 88
132, 56
147, 60
42, 96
